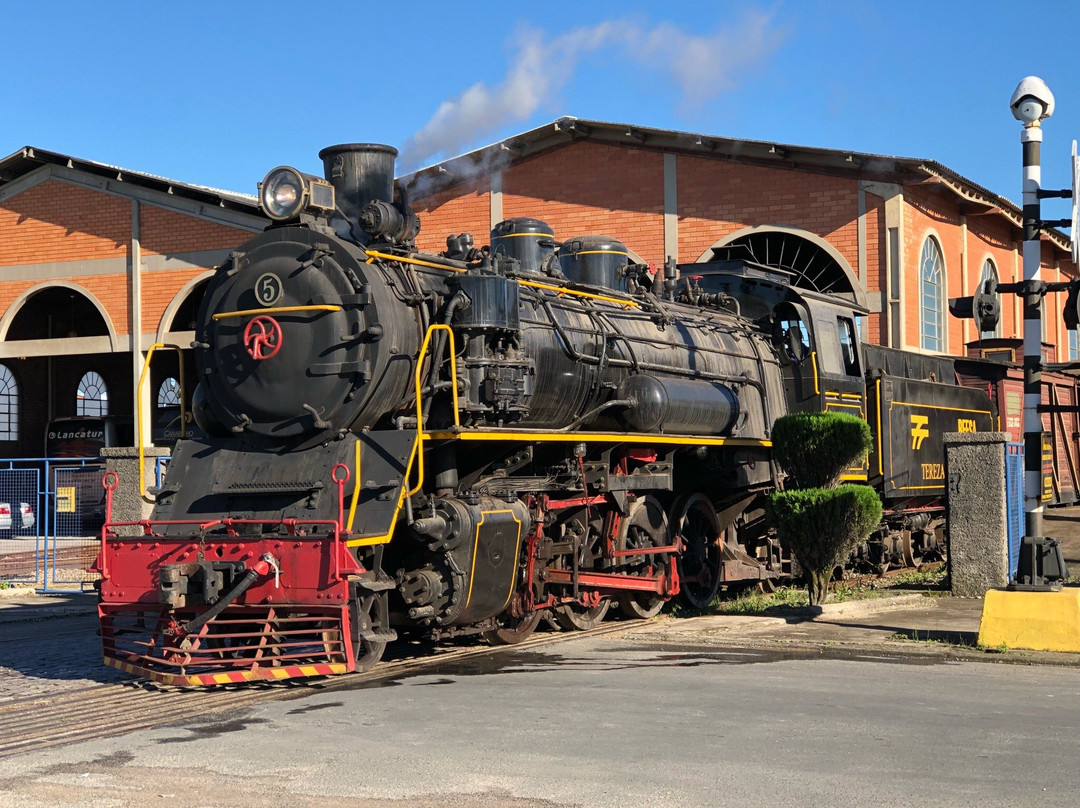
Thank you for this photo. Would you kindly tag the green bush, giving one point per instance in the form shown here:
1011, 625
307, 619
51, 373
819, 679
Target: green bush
820, 521
822, 526
815, 448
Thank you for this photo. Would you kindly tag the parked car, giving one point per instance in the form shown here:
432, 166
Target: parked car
21, 520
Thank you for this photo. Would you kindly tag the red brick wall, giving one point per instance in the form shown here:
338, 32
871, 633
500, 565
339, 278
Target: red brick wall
580, 189
165, 232
592, 188
158, 292
56, 221
464, 208
717, 198
877, 250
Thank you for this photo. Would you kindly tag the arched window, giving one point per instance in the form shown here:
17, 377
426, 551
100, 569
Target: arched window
168, 395
9, 404
93, 396
932, 297
989, 272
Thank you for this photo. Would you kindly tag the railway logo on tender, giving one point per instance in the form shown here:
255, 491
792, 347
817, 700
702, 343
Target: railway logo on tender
919, 432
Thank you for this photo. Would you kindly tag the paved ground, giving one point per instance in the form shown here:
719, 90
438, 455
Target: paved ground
606, 722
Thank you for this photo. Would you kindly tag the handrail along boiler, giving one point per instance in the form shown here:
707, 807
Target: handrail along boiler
457, 443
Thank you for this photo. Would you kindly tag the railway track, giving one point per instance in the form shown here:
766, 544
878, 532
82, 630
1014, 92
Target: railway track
39, 722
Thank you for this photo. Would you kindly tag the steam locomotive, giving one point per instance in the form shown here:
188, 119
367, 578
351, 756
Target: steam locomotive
466, 442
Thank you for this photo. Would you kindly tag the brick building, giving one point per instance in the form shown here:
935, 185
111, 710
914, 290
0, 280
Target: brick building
97, 264
901, 235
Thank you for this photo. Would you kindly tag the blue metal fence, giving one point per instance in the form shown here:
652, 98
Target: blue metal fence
1014, 502
51, 534
22, 550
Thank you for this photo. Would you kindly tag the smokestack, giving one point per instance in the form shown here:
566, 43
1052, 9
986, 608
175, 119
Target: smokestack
360, 173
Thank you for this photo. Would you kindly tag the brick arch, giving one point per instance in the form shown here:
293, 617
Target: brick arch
816, 263
17, 305
178, 300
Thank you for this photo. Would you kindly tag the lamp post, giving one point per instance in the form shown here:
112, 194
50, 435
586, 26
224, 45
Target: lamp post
1031, 103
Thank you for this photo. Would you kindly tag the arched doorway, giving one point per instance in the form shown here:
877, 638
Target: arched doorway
814, 263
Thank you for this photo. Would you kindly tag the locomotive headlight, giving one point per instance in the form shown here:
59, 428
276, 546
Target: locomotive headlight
286, 192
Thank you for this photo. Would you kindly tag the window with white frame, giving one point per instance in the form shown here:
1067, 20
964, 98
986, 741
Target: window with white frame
989, 273
9, 404
932, 297
1074, 344
92, 397
168, 394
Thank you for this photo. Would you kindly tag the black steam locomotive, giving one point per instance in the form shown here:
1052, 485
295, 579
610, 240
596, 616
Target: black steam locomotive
466, 442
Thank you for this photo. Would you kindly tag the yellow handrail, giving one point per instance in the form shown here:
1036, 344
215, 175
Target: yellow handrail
417, 452
372, 254
139, 408
560, 290
279, 310
419, 404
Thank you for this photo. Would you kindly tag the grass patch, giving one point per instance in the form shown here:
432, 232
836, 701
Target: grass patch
931, 579
953, 639
757, 602
918, 636
930, 582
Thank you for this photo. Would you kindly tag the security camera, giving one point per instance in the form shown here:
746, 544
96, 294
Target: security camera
1032, 101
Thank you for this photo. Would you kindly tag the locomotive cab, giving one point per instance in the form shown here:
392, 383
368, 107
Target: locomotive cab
813, 334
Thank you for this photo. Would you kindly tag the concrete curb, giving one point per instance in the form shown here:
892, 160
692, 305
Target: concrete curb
28, 591
853, 608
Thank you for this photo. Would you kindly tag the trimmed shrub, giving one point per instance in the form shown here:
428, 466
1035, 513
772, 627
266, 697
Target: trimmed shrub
819, 520
815, 448
822, 526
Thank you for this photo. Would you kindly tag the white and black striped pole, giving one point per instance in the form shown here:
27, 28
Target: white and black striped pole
1031, 103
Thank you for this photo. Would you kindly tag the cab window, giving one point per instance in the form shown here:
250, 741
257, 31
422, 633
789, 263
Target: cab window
790, 334
849, 345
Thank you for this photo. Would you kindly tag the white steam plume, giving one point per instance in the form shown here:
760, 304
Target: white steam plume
701, 66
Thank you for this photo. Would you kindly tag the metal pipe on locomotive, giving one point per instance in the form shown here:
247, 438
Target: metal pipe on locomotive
452, 443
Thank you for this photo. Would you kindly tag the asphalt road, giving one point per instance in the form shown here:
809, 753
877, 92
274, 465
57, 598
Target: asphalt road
607, 722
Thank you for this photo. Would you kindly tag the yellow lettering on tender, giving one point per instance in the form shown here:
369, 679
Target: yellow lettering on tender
933, 471
966, 425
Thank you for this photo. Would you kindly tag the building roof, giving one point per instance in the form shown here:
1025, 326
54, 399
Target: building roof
565, 130
21, 164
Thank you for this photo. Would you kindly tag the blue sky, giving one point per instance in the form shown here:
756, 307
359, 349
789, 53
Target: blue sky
218, 93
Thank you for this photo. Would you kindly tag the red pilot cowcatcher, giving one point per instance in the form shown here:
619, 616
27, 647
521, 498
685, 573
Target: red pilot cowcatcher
262, 337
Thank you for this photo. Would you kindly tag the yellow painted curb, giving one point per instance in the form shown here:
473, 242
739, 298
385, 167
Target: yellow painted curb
1039, 621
